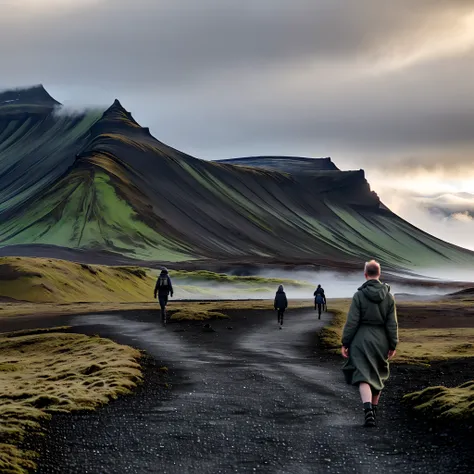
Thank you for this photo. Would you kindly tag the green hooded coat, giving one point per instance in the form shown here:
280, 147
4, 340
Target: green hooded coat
371, 330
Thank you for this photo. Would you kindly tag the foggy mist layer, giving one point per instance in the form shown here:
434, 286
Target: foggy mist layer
336, 285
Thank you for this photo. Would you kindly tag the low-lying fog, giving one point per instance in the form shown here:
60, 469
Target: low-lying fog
336, 285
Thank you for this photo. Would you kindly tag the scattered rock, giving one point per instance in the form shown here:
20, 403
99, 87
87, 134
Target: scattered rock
208, 328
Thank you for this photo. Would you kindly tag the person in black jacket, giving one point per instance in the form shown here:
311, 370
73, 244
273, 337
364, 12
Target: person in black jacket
319, 300
280, 304
163, 289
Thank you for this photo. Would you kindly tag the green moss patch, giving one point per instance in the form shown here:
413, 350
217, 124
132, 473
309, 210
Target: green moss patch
330, 336
192, 315
239, 281
444, 403
47, 372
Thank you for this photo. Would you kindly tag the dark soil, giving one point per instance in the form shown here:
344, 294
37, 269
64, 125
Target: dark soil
435, 315
249, 399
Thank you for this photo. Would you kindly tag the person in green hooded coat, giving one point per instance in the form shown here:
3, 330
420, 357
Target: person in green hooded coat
369, 339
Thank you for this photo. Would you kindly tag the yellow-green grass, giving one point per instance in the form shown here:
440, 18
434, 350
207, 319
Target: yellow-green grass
56, 287
40, 280
197, 315
422, 346
43, 372
57, 281
445, 403
205, 275
331, 334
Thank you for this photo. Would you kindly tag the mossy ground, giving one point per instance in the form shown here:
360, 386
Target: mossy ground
196, 315
455, 403
330, 335
40, 280
43, 372
205, 275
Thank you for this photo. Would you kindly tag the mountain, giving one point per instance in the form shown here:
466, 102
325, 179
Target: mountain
99, 187
30, 97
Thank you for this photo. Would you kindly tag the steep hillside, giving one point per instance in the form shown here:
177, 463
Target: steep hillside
38, 145
101, 184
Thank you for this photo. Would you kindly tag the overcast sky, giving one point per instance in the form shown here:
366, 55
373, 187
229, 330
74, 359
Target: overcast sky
382, 85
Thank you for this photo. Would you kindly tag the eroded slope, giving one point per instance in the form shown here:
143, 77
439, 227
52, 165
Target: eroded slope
103, 183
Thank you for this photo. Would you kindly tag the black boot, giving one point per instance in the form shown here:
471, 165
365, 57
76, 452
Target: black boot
369, 415
374, 409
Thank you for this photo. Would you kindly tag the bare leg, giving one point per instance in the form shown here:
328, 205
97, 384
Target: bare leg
375, 398
365, 392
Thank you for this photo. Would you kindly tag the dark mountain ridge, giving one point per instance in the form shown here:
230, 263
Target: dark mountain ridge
35, 95
286, 164
101, 183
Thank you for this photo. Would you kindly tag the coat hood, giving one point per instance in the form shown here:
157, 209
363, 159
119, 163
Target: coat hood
375, 290
280, 289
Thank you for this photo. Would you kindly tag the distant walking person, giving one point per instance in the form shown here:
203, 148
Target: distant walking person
369, 339
163, 289
319, 300
280, 304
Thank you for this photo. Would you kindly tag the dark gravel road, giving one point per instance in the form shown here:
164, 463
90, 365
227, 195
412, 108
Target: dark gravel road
247, 399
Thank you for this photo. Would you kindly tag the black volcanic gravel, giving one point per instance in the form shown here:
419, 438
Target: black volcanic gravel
250, 399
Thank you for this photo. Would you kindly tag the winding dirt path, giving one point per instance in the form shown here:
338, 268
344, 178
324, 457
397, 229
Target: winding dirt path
248, 399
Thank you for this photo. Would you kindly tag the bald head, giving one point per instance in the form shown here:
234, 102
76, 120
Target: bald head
372, 270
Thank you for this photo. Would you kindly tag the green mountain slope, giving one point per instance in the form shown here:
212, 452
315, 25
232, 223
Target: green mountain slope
101, 184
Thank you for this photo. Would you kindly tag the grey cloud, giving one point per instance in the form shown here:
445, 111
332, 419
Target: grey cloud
448, 205
442, 222
222, 78
392, 120
169, 41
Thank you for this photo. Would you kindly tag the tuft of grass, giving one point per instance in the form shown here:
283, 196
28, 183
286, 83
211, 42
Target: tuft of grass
136, 271
47, 372
330, 335
444, 403
199, 315
16, 461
